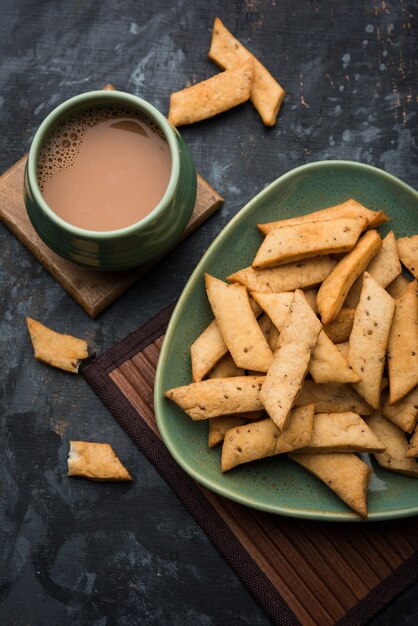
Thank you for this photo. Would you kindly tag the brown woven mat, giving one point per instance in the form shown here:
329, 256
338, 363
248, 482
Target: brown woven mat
299, 571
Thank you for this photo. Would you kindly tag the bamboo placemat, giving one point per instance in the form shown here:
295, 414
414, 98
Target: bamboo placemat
299, 571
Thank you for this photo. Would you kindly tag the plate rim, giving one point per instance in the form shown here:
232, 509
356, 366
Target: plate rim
305, 513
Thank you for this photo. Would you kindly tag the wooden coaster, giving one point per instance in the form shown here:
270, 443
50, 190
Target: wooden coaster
93, 290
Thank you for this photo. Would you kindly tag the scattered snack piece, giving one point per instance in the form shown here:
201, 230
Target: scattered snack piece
212, 96
299, 275
227, 52
349, 208
403, 413
263, 439
328, 365
334, 289
397, 288
219, 396
342, 432
95, 461
395, 457
403, 345
346, 474
413, 445
295, 242
62, 351
385, 267
369, 339
238, 325
339, 329
332, 398
291, 360
408, 253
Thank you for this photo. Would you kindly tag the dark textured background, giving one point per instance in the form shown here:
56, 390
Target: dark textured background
74, 552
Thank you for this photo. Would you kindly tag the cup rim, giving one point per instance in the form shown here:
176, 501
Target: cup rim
118, 96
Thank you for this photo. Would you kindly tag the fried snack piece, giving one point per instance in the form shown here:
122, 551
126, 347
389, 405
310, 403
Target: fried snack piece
227, 52
385, 267
269, 331
408, 253
395, 457
212, 96
342, 432
295, 242
62, 351
403, 345
343, 348
226, 368
397, 288
413, 445
263, 439
334, 289
275, 305
369, 339
95, 461
403, 413
238, 325
289, 277
346, 474
328, 365
207, 350
219, 396
339, 330
291, 360
210, 347
332, 398
349, 208
219, 426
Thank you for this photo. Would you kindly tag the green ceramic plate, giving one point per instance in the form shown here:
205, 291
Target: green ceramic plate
276, 485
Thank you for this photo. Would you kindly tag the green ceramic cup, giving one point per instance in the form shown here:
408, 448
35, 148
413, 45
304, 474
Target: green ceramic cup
127, 247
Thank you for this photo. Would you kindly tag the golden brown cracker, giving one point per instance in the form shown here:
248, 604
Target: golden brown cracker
408, 253
403, 345
334, 289
346, 474
227, 52
95, 461
299, 275
342, 432
212, 96
295, 242
62, 351
395, 456
349, 208
263, 439
369, 339
238, 325
291, 360
219, 396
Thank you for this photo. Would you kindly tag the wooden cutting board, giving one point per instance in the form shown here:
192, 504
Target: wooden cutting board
93, 290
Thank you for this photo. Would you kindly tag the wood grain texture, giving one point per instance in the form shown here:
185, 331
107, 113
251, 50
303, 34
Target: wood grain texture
322, 570
93, 291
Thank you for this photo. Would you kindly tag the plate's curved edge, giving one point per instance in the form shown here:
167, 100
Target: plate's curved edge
158, 392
